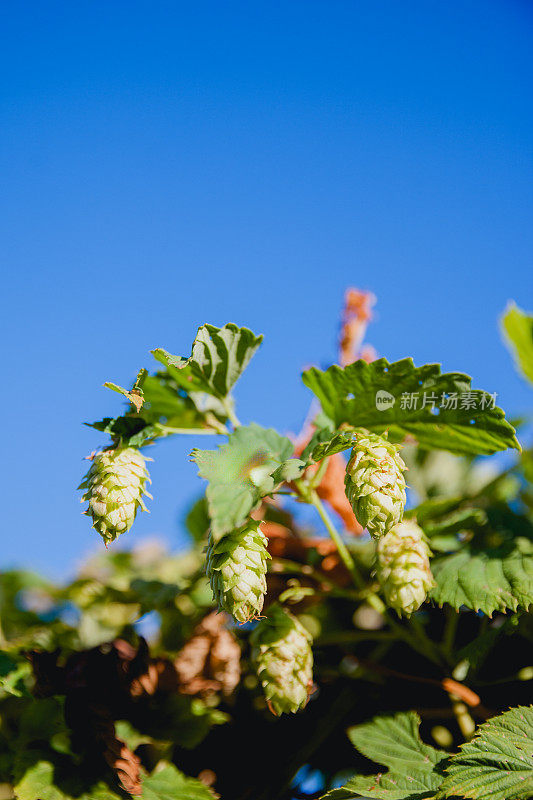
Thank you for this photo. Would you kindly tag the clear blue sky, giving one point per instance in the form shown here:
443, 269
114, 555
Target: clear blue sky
166, 163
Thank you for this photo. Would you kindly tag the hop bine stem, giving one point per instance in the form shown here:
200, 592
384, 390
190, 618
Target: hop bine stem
341, 547
310, 496
232, 416
450, 629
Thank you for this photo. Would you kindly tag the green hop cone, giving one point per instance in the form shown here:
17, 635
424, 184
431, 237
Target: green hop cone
114, 487
236, 566
283, 658
374, 483
403, 568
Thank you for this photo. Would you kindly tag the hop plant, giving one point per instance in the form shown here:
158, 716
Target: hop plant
115, 484
236, 567
374, 483
283, 658
403, 568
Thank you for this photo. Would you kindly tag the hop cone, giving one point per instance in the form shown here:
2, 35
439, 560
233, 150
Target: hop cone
403, 567
374, 483
236, 567
114, 487
281, 652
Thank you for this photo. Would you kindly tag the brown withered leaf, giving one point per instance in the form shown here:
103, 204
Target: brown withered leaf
210, 661
160, 676
99, 685
136, 399
135, 395
116, 753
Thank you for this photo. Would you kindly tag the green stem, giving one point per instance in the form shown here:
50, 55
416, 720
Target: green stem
319, 474
286, 565
344, 553
372, 599
450, 629
195, 431
425, 645
518, 676
232, 416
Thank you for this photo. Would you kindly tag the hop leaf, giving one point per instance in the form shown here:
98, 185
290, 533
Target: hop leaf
115, 484
281, 652
487, 575
403, 567
240, 474
414, 768
518, 330
374, 483
169, 782
349, 396
236, 567
497, 763
219, 357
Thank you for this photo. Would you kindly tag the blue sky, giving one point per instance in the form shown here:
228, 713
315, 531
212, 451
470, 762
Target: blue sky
165, 164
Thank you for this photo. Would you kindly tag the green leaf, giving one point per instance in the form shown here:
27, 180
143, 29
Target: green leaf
167, 410
43, 779
171, 784
222, 354
12, 675
197, 520
497, 763
462, 519
131, 429
41, 720
290, 470
240, 474
166, 403
185, 721
434, 508
351, 395
490, 573
336, 443
219, 356
323, 435
130, 736
414, 767
445, 543
517, 327
38, 782
153, 594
